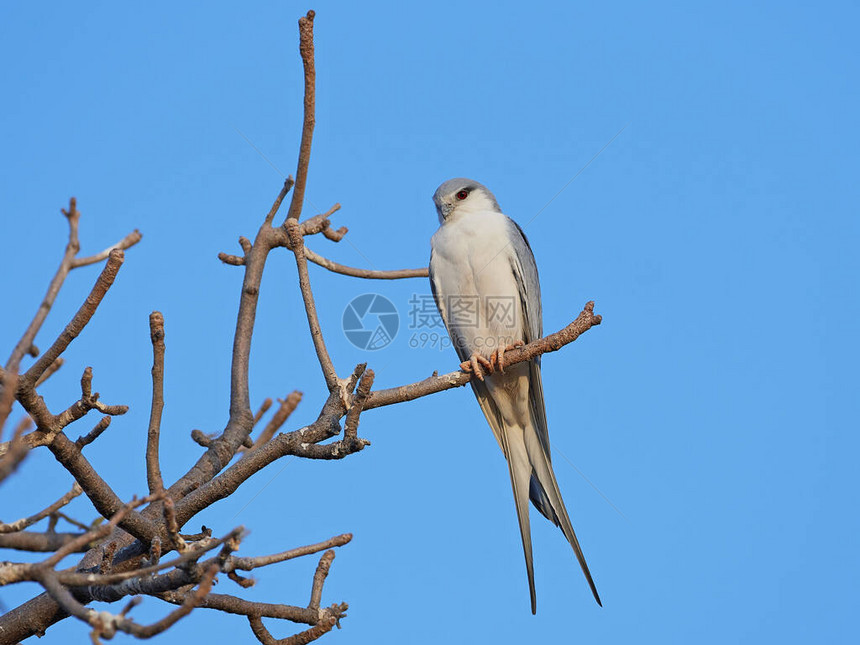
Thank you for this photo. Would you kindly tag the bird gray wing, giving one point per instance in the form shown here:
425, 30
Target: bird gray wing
543, 487
525, 269
525, 272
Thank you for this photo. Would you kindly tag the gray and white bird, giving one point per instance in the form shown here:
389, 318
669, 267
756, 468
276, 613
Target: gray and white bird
485, 283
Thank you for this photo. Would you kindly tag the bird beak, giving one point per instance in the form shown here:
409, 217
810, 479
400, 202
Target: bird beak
446, 209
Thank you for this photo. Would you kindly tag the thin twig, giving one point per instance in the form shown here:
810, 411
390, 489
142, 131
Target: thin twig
373, 274
350, 426
321, 224
13, 452
315, 224
233, 605
24, 522
296, 245
78, 322
306, 49
106, 501
106, 625
192, 601
319, 578
52, 369
288, 405
96, 532
264, 407
9, 383
255, 260
250, 563
233, 260
125, 243
93, 434
50, 425
438, 383
40, 541
153, 468
76, 579
60, 515
72, 247
270, 216
173, 538
302, 638
201, 438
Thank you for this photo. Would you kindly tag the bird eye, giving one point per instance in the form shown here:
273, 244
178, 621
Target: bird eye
463, 194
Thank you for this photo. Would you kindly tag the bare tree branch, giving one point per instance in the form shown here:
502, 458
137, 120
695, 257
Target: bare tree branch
297, 246
306, 49
220, 451
233, 260
255, 259
438, 383
298, 442
93, 434
77, 324
350, 426
96, 532
98, 491
56, 516
321, 224
373, 274
9, 381
153, 468
67, 263
234, 605
194, 553
52, 369
125, 243
106, 625
287, 407
72, 248
323, 627
38, 542
13, 452
248, 564
319, 578
264, 407
25, 522
88, 401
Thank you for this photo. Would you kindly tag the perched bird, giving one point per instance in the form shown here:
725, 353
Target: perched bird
485, 283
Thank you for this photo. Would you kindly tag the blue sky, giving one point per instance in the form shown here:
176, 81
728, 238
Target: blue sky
715, 407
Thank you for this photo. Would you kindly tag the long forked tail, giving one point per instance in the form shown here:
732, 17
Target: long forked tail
520, 471
551, 493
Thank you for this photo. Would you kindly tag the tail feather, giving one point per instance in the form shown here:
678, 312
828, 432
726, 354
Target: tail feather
520, 471
547, 482
541, 501
531, 474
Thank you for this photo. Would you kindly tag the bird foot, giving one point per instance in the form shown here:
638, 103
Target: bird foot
497, 358
476, 365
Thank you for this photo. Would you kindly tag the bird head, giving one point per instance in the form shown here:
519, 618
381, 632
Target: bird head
462, 196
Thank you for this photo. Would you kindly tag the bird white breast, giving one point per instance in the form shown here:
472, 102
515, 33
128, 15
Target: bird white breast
471, 262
